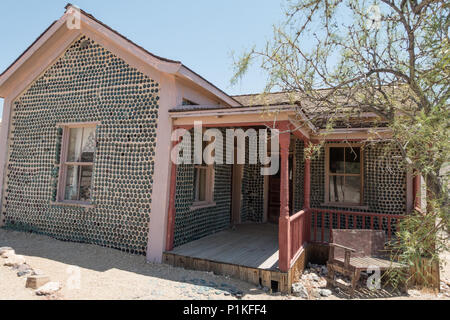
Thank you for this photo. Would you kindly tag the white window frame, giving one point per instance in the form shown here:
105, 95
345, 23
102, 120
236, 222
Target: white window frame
210, 176
64, 164
327, 201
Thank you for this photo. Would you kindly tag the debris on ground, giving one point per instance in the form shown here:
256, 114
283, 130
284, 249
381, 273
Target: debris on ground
48, 289
35, 282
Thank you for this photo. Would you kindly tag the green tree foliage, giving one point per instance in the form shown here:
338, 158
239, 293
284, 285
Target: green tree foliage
389, 58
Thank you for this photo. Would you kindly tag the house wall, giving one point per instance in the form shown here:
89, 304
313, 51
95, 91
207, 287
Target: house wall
85, 85
192, 224
253, 197
299, 178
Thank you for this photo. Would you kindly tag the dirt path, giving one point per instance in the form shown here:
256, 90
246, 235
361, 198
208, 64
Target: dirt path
92, 272
110, 274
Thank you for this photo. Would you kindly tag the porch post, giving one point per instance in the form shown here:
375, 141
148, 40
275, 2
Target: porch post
171, 208
416, 191
307, 198
284, 236
307, 184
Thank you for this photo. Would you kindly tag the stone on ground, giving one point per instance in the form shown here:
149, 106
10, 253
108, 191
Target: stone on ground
325, 292
14, 261
5, 249
23, 269
299, 290
7, 252
37, 281
48, 289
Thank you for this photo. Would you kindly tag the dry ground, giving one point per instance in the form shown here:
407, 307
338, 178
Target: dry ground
110, 274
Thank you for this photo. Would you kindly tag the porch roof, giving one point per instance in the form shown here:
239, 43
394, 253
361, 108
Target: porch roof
358, 128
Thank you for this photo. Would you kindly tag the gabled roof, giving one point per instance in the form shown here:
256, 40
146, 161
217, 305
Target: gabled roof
160, 63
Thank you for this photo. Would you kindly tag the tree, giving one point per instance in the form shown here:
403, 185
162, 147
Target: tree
387, 57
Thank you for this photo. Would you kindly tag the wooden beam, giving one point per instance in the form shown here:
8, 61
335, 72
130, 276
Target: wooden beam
284, 238
172, 209
416, 191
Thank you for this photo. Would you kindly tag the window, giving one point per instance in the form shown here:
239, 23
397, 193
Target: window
204, 183
77, 159
344, 174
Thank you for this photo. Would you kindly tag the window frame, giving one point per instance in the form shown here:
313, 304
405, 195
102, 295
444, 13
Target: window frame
327, 201
210, 176
64, 164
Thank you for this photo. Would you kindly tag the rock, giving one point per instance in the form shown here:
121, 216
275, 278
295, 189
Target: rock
14, 261
7, 252
299, 290
315, 277
325, 292
5, 249
315, 293
37, 281
37, 272
324, 270
48, 289
23, 269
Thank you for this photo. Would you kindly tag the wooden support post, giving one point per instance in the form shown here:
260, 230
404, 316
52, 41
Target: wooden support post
416, 191
284, 236
307, 197
171, 209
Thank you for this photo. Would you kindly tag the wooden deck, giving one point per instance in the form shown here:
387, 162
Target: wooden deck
249, 245
248, 252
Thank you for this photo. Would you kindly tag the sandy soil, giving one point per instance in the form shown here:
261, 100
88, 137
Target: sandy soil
93, 272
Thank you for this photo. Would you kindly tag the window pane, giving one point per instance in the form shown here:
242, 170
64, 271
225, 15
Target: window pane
72, 178
200, 175
352, 189
88, 147
352, 160
336, 189
81, 144
202, 185
337, 160
75, 139
85, 183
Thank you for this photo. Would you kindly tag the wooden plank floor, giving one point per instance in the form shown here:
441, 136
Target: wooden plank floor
250, 245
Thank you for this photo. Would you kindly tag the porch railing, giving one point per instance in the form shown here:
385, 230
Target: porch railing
299, 229
324, 220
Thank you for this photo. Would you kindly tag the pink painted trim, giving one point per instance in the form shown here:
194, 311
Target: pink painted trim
284, 236
416, 192
172, 209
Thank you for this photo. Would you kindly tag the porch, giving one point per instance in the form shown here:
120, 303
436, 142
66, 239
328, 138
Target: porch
248, 252
248, 245
273, 255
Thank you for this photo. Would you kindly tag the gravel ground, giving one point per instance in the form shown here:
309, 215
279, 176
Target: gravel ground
92, 272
